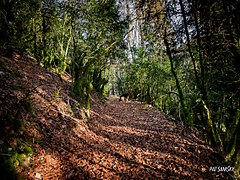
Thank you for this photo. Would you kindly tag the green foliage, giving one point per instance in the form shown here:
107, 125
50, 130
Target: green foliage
57, 94
13, 157
202, 84
148, 79
237, 165
211, 47
82, 38
14, 152
94, 46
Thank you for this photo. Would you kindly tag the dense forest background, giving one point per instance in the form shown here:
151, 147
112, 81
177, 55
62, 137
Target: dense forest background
183, 56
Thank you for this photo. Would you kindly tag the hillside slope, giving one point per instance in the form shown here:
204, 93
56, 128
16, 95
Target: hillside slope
121, 140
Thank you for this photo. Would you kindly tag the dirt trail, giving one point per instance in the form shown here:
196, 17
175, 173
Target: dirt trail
144, 144
121, 140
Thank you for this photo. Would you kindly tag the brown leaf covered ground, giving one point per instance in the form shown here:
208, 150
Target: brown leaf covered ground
121, 140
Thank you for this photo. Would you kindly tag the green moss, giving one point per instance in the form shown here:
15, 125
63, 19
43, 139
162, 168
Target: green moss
9, 165
28, 150
13, 157
13, 161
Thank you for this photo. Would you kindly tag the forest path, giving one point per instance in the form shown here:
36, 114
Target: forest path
140, 143
121, 140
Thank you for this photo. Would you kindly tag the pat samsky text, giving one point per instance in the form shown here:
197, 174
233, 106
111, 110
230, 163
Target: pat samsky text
221, 169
